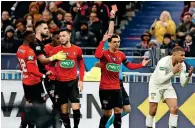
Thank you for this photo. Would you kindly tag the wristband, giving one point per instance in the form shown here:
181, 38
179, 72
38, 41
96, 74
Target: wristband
112, 19
44, 76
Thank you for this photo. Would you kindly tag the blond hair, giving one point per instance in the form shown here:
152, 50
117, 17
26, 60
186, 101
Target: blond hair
167, 13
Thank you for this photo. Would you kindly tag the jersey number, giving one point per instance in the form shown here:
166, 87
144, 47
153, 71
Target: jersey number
23, 65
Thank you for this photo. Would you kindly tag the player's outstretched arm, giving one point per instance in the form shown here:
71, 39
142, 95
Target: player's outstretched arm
111, 24
99, 50
59, 56
184, 79
134, 66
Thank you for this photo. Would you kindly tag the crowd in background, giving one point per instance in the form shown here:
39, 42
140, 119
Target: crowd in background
90, 23
165, 34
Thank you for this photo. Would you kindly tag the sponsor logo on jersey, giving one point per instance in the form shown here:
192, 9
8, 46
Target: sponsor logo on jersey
67, 63
112, 67
162, 68
30, 58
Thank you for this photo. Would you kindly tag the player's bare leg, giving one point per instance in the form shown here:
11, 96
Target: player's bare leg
117, 117
76, 114
65, 115
105, 118
152, 112
173, 107
126, 109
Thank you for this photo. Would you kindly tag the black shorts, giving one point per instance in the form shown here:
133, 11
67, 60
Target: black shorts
34, 93
49, 86
110, 99
124, 95
67, 91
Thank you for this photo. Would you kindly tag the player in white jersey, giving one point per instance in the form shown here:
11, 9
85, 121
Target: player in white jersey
160, 85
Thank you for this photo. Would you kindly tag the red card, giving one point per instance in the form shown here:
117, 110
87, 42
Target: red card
114, 7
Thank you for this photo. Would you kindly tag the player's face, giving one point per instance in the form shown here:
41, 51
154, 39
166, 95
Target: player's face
64, 37
115, 43
56, 39
44, 30
179, 56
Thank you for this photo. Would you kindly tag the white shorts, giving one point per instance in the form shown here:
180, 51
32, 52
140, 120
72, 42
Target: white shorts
156, 94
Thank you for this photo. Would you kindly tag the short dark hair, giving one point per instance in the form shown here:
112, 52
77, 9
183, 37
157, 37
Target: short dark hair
26, 33
113, 36
40, 22
19, 21
55, 32
66, 30
177, 49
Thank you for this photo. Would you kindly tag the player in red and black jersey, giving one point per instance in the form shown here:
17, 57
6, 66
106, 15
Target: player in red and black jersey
42, 32
110, 93
50, 82
33, 89
67, 84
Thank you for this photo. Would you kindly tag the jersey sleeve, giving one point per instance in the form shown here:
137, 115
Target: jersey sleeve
37, 49
184, 79
46, 50
31, 64
81, 64
30, 57
128, 64
99, 53
80, 54
162, 70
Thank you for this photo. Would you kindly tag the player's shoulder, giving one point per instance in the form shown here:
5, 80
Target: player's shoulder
76, 47
120, 53
165, 59
36, 46
57, 47
21, 49
47, 45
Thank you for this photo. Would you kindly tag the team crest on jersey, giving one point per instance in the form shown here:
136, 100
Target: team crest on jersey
67, 54
38, 48
30, 58
74, 53
153, 95
114, 59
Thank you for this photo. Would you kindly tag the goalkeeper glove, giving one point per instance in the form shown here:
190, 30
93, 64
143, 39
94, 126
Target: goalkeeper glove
59, 56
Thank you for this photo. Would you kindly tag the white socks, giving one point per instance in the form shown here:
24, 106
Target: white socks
149, 120
173, 120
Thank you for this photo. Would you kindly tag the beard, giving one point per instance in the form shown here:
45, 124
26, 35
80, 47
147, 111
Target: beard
44, 35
